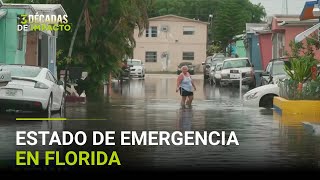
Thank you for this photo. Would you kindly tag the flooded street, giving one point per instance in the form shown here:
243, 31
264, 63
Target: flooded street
153, 104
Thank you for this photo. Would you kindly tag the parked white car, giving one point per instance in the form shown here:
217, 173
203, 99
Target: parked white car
261, 96
234, 68
137, 68
30, 88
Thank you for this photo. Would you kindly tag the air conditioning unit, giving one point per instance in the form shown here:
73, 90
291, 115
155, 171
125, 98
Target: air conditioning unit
164, 28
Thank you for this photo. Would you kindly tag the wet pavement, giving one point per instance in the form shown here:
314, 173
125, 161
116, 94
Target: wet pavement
153, 104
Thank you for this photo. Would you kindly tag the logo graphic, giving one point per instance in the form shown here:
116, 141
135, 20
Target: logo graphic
43, 23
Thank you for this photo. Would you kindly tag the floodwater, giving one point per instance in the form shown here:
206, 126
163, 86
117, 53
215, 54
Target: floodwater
266, 142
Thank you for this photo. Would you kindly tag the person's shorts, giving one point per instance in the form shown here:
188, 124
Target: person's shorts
183, 92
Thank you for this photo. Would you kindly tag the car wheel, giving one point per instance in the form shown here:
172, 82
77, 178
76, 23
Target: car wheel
49, 107
267, 101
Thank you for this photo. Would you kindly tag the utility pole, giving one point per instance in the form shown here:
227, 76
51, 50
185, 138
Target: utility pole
285, 7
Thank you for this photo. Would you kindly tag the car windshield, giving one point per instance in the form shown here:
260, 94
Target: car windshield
22, 71
239, 63
134, 63
278, 67
218, 59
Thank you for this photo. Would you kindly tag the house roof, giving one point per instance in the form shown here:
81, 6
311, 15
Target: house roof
178, 17
49, 8
19, 6
293, 20
40, 8
256, 27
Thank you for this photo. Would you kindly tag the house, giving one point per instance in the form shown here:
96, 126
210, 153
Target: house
285, 28
28, 47
170, 40
240, 49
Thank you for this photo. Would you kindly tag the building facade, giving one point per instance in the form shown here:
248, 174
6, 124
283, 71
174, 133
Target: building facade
285, 28
170, 40
37, 48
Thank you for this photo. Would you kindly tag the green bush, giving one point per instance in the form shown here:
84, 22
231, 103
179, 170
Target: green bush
310, 90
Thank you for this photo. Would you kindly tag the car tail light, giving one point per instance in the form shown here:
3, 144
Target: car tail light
37, 104
41, 85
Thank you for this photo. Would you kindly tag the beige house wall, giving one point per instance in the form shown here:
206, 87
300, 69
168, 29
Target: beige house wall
172, 42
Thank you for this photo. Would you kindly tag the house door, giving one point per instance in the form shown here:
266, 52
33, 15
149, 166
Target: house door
32, 48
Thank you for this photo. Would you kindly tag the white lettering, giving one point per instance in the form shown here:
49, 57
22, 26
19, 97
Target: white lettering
33, 141
123, 138
84, 138
164, 136
67, 135
141, 140
19, 138
233, 139
211, 140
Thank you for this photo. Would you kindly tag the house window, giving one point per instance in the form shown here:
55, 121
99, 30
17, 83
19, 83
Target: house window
20, 40
151, 56
188, 55
188, 30
152, 31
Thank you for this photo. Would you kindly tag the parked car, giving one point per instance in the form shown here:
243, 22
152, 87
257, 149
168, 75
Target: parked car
261, 96
234, 68
137, 68
190, 67
276, 67
30, 88
210, 61
215, 74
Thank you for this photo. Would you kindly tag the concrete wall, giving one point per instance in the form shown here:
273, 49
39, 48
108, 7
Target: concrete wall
9, 53
255, 54
174, 43
265, 42
241, 50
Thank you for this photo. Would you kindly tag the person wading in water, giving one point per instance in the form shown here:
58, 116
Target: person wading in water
184, 85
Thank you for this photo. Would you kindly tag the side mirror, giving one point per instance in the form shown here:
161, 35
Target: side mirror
60, 83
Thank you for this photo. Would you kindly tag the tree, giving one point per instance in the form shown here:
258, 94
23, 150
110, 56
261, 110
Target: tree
103, 35
231, 19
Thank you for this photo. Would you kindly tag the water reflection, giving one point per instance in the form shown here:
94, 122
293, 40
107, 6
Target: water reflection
185, 119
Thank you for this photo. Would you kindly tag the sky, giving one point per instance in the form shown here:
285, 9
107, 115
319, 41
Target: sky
277, 6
